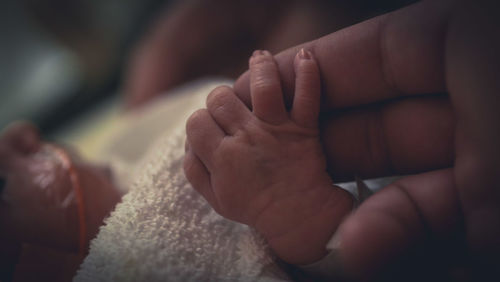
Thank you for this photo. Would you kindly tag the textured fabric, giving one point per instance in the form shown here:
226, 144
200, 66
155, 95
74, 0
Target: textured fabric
163, 230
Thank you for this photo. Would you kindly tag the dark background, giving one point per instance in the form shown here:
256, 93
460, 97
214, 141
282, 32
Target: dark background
60, 58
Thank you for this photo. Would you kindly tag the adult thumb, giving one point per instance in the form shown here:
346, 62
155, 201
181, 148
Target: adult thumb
416, 219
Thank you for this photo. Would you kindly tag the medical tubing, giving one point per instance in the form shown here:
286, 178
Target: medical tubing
76, 185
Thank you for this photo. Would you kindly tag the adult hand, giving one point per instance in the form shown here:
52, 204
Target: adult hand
414, 91
199, 38
195, 38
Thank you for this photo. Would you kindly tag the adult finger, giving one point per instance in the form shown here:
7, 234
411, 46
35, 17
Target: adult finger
473, 68
413, 212
400, 137
393, 55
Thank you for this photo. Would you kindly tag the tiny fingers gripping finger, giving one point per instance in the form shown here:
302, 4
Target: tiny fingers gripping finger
265, 88
306, 102
204, 136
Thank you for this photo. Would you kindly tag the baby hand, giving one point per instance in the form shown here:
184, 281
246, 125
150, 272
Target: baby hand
266, 167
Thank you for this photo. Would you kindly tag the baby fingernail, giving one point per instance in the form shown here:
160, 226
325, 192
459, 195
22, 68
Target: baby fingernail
261, 53
304, 55
266, 53
257, 53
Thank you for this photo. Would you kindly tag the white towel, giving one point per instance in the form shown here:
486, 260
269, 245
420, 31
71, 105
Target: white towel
163, 230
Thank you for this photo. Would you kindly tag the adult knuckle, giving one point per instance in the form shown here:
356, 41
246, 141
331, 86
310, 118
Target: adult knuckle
378, 151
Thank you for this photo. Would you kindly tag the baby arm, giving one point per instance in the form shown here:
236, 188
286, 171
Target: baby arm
266, 167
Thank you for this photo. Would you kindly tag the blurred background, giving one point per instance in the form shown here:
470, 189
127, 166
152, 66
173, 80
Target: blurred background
72, 67
61, 59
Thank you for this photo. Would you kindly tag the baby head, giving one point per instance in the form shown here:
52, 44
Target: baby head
39, 201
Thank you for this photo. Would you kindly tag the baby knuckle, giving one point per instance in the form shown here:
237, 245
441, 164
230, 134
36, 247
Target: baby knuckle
219, 97
264, 83
309, 73
196, 119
